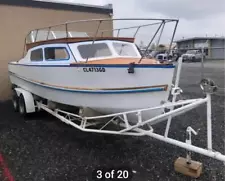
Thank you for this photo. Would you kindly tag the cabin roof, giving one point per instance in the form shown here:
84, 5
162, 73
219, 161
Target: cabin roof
75, 40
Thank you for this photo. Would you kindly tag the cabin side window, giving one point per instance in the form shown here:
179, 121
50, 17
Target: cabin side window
56, 54
94, 50
36, 55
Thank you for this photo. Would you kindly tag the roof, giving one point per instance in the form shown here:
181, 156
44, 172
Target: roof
200, 38
59, 6
76, 39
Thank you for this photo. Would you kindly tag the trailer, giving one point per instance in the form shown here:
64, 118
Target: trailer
25, 103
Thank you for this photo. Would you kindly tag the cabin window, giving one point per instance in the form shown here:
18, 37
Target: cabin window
124, 49
36, 55
94, 50
56, 53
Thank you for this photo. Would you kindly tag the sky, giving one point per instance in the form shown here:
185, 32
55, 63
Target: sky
196, 17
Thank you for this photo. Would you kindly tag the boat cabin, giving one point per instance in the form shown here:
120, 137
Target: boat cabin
81, 50
62, 43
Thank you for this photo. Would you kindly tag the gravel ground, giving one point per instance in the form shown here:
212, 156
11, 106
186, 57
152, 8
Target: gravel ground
43, 149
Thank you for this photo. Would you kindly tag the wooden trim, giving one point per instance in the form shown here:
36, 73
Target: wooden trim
75, 40
103, 89
120, 61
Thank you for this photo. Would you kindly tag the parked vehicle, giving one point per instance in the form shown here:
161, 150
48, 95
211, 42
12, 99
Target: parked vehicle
176, 55
192, 56
164, 57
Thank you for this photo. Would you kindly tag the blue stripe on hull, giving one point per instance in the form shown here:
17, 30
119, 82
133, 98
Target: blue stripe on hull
153, 89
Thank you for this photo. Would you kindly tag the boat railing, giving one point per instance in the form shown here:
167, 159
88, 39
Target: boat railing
43, 35
72, 29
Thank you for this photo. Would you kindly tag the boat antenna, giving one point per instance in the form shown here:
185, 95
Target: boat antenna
96, 33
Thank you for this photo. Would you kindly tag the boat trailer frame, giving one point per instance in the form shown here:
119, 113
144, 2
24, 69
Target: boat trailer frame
144, 127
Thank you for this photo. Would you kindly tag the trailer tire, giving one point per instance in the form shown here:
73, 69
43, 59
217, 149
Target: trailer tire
22, 106
15, 101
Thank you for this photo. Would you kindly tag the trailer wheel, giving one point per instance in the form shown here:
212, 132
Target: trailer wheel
15, 101
22, 106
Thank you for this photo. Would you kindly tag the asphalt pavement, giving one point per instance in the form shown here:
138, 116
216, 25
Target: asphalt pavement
41, 148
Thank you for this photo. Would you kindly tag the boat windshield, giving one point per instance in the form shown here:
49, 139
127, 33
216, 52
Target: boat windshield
124, 49
107, 49
94, 50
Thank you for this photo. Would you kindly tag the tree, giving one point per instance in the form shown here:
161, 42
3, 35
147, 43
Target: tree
162, 47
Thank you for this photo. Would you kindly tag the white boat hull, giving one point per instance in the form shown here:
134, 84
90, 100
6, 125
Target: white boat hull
73, 86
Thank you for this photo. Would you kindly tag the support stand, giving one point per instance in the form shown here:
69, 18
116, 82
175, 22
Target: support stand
188, 166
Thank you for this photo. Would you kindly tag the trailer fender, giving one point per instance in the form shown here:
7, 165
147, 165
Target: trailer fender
28, 98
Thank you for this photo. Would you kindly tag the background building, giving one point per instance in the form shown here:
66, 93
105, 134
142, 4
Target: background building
214, 47
18, 17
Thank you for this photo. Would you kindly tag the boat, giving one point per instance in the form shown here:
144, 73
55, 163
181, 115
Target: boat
107, 74
111, 78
